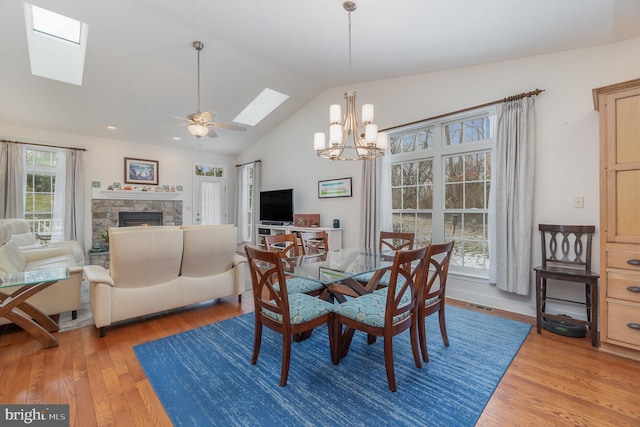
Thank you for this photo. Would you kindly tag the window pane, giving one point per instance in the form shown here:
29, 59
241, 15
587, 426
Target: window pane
409, 199
396, 219
453, 169
453, 196
396, 175
410, 173
452, 226
409, 142
408, 223
425, 172
425, 197
423, 230
396, 198
474, 195
43, 202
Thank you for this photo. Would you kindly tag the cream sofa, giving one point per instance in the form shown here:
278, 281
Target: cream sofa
23, 238
153, 269
59, 298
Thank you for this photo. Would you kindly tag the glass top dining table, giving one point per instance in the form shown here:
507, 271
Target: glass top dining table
337, 270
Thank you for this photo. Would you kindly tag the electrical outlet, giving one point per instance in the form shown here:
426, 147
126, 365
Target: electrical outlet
578, 202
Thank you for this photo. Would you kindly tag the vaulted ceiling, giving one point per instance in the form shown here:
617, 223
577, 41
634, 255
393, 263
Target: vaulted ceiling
140, 60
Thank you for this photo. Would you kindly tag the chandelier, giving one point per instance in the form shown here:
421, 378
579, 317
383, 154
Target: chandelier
348, 139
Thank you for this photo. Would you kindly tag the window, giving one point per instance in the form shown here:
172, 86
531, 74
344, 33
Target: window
205, 170
41, 167
57, 44
440, 182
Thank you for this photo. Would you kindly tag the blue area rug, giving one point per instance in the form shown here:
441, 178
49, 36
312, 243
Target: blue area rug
203, 377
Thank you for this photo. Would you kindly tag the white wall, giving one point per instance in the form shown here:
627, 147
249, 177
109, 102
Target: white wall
566, 152
104, 162
566, 141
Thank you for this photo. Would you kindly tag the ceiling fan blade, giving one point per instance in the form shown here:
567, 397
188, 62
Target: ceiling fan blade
228, 126
169, 115
212, 133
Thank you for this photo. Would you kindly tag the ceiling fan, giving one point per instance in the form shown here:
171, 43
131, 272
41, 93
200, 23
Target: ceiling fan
200, 123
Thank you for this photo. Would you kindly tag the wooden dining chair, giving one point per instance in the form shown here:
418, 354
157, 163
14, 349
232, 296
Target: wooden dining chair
286, 243
393, 241
431, 296
385, 312
286, 313
389, 243
287, 246
314, 242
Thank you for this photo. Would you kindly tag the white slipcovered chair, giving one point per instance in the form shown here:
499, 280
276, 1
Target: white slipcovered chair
22, 236
59, 298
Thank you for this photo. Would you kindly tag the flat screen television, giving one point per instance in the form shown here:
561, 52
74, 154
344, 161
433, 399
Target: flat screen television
276, 206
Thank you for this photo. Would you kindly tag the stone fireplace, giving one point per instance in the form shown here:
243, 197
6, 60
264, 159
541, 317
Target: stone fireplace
140, 207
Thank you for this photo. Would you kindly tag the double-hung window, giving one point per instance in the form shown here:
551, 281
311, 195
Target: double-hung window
440, 183
42, 169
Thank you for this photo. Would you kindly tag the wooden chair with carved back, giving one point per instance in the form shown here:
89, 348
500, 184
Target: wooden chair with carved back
290, 314
566, 257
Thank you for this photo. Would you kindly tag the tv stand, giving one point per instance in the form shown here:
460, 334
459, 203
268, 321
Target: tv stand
275, 223
268, 229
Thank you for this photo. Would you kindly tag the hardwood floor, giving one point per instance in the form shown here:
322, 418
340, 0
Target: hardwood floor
554, 380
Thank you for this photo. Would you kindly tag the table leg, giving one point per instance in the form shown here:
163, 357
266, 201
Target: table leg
15, 309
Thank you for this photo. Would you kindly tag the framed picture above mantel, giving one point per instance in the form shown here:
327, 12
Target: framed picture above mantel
334, 188
139, 171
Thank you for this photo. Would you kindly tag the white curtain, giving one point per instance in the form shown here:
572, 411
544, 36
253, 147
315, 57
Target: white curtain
74, 197
68, 209
376, 200
11, 180
512, 186
242, 200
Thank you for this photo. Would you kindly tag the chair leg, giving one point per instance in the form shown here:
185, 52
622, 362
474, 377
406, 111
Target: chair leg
413, 333
388, 362
443, 326
422, 337
286, 358
335, 331
587, 300
539, 302
257, 339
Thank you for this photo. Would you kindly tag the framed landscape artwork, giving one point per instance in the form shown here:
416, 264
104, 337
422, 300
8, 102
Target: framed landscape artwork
334, 188
139, 171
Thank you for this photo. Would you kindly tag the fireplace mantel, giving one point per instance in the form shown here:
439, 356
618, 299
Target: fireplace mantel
136, 195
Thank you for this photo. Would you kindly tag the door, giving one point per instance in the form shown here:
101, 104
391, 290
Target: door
210, 201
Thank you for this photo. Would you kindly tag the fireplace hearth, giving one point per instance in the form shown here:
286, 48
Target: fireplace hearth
135, 219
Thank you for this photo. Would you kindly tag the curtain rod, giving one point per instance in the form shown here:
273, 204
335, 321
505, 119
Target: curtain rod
507, 99
44, 145
248, 163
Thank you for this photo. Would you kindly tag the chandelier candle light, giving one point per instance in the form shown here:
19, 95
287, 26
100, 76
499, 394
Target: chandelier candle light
349, 140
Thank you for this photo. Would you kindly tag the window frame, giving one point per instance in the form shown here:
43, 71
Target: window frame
437, 153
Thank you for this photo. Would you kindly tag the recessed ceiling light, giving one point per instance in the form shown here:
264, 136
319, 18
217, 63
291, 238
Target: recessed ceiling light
260, 107
176, 138
111, 127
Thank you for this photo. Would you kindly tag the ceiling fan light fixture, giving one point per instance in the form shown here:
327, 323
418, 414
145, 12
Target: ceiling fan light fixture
198, 130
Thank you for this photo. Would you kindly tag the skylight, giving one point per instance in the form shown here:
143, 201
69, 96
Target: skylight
260, 107
55, 25
57, 44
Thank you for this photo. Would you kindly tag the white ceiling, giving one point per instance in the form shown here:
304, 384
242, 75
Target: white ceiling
140, 59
